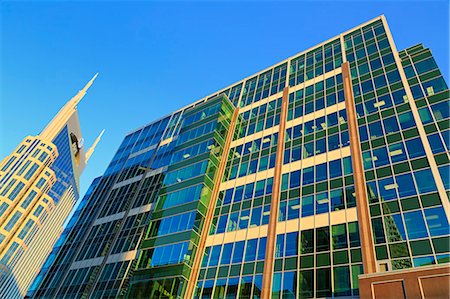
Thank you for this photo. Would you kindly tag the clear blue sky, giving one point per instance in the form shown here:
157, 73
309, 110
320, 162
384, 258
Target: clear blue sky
154, 57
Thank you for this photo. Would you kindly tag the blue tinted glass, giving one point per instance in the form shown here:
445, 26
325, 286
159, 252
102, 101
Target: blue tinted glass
293, 208
215, 253
238, 252
363, 134
391, 125
437, 221
398, 96
348, 169
222, 224
295, 179
397, 152
256, 217
415, 148
335, 169
424, 261
387, 189
259, 190
289, 284
405, 184
228, 196
406, 120
445, 175
337, 199
322, 202
291, 244
250, 251
321, 146
416, 91
307, 205
332, 119
238, 194
441, 110
436, 143
308, 175
415, 225
333, 142
244, 218
279, 246
321, 172
232, 222
367, 160
381, 156
425, 181
249, 190
262, 248
375, 129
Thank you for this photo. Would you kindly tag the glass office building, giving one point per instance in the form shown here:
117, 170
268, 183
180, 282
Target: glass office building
39, 185
325, 175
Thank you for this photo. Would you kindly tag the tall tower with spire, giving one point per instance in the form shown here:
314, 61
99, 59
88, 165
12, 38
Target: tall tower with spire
39, 185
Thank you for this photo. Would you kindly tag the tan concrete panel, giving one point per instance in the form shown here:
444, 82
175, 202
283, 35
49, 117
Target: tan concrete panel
388, 290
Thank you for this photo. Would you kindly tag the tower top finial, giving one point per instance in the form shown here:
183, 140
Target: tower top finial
90, 151
82, 92
65, 113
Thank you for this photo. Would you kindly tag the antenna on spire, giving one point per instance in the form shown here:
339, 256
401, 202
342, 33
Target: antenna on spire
82, 92
90, 151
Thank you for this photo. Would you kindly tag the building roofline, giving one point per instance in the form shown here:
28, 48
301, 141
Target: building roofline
380, 17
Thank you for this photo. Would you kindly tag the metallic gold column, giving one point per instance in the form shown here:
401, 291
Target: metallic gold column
274, 204
212, 206
365, 227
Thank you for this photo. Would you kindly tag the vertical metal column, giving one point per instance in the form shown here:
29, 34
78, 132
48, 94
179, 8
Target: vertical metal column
365, 227
275, 202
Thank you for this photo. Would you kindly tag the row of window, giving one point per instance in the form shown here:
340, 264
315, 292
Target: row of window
254, 146
192, 151
382, 102
182, 196
196, 132
393, 153
164, 255
260, 118
202, 114
270, 120
244, 192
317, 203
172, 224
235, 253
243, 219
414, 222
317, 173
336, 237
315, 63
185, 173
368, 33
264, 85
316, 90
318, 124
143, 138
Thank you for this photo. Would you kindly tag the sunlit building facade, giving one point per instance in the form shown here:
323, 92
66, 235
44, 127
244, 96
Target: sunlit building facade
39, 185
325, 175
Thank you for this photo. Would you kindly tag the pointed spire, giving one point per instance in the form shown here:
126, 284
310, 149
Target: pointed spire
90, 151
65, 113
76, 99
